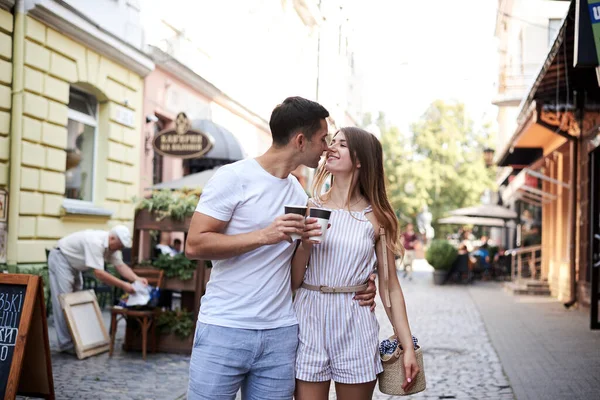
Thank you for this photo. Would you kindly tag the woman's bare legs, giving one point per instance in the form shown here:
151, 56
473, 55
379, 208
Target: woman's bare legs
312, 390
359, 391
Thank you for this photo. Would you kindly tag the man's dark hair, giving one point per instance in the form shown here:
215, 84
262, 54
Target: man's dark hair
293, 115
177, 241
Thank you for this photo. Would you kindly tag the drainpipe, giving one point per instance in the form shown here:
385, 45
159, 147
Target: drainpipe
16, 131
573, 221
573, 147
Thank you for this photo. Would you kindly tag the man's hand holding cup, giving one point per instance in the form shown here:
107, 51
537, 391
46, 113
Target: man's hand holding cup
296, 211
285, 227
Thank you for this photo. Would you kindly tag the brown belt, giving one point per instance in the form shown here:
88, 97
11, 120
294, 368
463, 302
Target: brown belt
341, 289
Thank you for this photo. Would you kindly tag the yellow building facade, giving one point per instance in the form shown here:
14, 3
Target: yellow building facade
69, 137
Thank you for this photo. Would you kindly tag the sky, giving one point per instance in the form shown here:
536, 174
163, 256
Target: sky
410, 52
413, 52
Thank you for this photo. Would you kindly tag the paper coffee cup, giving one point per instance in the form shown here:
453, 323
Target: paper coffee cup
322, 217
300, 210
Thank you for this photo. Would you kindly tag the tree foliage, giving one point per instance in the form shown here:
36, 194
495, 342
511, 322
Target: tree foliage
439, 164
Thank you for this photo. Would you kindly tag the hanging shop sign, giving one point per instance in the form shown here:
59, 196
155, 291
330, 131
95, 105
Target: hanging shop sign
183, 141
594, 10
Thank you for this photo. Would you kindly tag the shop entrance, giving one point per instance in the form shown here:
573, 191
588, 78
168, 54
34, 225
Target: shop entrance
595, 237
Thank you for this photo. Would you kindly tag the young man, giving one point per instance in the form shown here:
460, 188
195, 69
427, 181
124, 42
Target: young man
247, 332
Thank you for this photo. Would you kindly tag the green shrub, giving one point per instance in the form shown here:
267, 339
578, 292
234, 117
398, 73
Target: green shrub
176, 204
441, 254
179, 322
178, 266
41, 271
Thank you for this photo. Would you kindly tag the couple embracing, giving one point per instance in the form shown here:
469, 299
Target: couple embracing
250, 334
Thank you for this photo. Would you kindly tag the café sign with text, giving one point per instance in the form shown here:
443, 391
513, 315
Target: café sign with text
182, 142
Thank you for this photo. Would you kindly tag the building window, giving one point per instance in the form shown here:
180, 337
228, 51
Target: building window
81, 146
553, 27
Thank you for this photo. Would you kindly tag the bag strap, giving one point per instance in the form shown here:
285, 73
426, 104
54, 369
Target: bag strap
386, 275
386, 271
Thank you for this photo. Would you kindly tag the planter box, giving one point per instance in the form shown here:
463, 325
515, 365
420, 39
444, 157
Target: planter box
164, 343
439, 276
177, 284
172, 344
146, 220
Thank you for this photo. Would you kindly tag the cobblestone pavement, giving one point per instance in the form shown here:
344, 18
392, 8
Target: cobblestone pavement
124, 376
460, 362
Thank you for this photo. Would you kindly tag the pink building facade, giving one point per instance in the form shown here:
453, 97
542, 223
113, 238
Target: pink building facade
173, 88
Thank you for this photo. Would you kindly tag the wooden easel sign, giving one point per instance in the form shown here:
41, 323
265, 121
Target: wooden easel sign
84, 319
25, 365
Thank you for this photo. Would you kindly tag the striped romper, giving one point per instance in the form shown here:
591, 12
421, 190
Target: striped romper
338, 338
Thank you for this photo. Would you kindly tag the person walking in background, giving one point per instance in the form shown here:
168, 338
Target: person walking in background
339, 341
409, 241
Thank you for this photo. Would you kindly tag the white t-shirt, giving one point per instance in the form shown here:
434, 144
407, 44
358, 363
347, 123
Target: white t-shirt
88, 249
253, 290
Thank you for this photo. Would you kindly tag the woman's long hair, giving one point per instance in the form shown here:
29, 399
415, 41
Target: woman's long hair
366, 149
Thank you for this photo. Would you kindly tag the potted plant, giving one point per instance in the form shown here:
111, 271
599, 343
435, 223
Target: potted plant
176, 331
177, 266
166, 210
440, 255
174, 204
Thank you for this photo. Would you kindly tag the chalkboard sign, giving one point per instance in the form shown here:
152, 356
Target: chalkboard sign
11, 308
25, 365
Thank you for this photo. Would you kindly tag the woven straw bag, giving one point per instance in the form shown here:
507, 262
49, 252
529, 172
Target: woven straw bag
393, 375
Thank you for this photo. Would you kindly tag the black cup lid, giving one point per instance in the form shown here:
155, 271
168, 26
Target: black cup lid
301, 210
320, 213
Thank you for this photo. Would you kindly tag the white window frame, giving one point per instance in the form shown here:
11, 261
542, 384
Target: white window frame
93, 122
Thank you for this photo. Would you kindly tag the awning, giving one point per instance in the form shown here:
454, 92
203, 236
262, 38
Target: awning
547, 113
478, 221
192, 181
521, 156
524, 187
485, 211
225, 146
539, 134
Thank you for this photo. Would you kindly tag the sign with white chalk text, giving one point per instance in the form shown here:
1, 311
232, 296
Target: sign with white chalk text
25, 366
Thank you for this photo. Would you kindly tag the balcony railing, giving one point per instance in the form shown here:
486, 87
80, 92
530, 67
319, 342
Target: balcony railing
514, 82
526, 263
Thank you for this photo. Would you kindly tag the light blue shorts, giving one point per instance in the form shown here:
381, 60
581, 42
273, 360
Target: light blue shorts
260, 362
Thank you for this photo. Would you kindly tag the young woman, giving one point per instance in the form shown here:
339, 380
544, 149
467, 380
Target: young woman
339, 340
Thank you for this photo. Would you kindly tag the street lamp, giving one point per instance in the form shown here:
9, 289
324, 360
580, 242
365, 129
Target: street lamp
488, 156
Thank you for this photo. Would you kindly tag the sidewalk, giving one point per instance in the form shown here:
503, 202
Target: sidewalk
460, 361
547, 352
124, 376
478, 342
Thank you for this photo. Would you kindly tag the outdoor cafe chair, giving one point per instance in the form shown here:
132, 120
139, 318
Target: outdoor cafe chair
146, 319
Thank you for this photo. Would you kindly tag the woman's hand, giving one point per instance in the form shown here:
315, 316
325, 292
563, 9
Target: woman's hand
311, 228
411, 368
